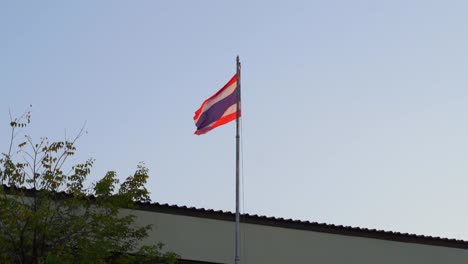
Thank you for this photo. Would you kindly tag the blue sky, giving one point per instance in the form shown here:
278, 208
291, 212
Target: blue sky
354, 112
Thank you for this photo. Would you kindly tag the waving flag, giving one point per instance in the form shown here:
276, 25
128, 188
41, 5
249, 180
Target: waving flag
219, 109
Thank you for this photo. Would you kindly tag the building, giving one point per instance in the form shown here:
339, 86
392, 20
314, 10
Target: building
207, 236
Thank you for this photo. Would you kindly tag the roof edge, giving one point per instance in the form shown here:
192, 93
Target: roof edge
305, 225
285, 223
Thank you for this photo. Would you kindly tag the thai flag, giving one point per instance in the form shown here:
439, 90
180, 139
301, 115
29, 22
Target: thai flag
219, 109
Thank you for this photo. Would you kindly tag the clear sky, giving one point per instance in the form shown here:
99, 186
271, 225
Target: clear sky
354, 112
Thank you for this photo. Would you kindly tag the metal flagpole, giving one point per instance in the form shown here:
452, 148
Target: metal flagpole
237, 258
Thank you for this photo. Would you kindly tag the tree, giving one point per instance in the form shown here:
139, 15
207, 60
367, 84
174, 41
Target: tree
48, 216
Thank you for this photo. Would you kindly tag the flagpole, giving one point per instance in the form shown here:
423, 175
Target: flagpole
238, 67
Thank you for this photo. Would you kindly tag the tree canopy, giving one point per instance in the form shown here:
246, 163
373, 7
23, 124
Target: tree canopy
48, 215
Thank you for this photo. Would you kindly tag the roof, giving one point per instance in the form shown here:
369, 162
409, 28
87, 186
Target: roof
305, 225
292, 224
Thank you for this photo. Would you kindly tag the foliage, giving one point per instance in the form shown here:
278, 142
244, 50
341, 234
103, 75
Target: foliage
48, 216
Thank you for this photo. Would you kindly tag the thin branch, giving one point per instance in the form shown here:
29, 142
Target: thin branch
12, 134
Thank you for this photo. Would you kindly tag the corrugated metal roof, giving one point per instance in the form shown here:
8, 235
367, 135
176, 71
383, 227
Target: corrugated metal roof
305, 225
292, 224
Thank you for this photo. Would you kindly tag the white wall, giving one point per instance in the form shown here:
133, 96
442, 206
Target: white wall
213, 240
